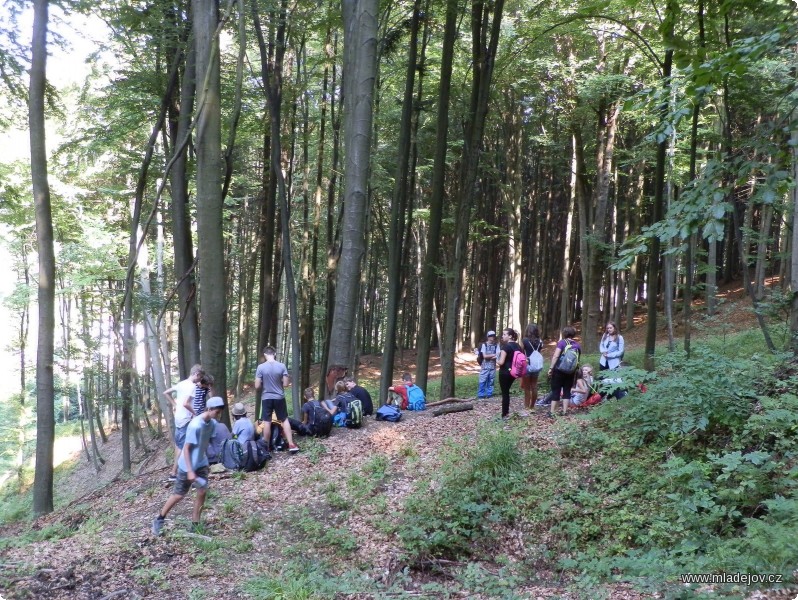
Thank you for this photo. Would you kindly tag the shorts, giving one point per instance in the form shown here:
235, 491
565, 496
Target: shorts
182, 484
277, 405
180, 436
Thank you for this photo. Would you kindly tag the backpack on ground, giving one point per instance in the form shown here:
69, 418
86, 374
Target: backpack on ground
232, 455
388, 413
518, 366
569, 359
278, 441
255, 455
321, 421
535, 363
354, 414
415, 398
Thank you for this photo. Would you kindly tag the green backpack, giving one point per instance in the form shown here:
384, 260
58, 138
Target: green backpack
569, 359
354, 414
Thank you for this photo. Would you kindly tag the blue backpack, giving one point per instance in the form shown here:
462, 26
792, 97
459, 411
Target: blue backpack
415, 398
388, 413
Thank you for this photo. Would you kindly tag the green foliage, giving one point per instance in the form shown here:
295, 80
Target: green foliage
476, 486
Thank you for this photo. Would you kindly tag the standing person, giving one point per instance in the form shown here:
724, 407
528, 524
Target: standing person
243, 429
611, 348
271, 379
562, 380
181, 398
529, 382
489, 350
193, 464
201, 393
508, 349
361, 394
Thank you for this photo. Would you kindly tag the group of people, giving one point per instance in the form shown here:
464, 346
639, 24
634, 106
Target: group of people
570, 383
199, 434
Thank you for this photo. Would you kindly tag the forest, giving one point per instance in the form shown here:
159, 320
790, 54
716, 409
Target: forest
365, 179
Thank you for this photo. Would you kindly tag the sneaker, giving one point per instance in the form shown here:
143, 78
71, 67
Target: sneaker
171, 478
157, 526
541, 402
293, 448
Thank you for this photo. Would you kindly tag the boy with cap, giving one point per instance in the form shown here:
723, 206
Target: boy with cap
192, 466
243, 429
487, 374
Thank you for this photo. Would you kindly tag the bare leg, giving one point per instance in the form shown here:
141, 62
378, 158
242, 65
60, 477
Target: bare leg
289, 436
199, 501
170, 504
267, 433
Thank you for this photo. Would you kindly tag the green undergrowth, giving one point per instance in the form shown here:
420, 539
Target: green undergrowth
699, 474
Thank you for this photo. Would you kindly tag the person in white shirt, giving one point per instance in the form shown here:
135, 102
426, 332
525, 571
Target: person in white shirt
181, 398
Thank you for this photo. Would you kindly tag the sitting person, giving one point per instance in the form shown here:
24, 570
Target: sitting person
243, 429
340, 403
410, 396
214, 451
316, 422
361, 394
583, 386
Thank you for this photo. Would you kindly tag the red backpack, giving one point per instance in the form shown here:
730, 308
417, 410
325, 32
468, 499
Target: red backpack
518, 366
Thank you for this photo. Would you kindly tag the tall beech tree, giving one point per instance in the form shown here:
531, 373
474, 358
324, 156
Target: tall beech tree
45, 392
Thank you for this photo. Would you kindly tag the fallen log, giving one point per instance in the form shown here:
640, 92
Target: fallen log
447, 401
452, 409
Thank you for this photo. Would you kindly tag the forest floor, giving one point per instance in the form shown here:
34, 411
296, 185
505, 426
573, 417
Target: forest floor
339, 499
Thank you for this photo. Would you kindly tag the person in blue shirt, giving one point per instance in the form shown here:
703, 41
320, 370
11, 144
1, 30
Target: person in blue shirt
192, 466
243, 429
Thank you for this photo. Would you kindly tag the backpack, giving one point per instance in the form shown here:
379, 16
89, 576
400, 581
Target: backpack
255, 455
232, 455
480, 356
354, 414
278, 441
415, 398
389, 413
569, 359
320, 420
535, 361
518, 366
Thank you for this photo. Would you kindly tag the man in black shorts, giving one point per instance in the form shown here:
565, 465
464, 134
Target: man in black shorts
271, 379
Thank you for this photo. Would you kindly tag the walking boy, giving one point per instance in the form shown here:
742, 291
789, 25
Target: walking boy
192, 466
181, 397
271, 379
487, 374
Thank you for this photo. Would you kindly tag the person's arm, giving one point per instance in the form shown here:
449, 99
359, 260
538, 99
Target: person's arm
486, 356
188, 404
555, 358
502, 358
603, 345
258, 386
286, 380
190, 475
168, 394
581, 386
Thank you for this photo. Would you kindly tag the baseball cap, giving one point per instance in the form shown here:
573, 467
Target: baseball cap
215, 402
491, 332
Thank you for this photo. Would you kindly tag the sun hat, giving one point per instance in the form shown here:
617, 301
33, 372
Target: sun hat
215, 402
239, 410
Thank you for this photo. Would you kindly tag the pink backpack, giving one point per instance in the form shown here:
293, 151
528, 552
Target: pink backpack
518, 366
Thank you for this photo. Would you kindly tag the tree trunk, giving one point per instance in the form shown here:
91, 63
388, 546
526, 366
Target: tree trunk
794, 253
210, 246
399, 211
360, 52
45, 413
652, 288
429, 275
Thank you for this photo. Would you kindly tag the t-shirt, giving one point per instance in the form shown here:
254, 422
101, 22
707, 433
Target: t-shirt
271, 374
574, 344
198, 435
363, 395
200, 395
243, 430
215, 445
486, 349
183, 390
509, 349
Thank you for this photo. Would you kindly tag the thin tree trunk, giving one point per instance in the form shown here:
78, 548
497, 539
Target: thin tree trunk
45, 414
